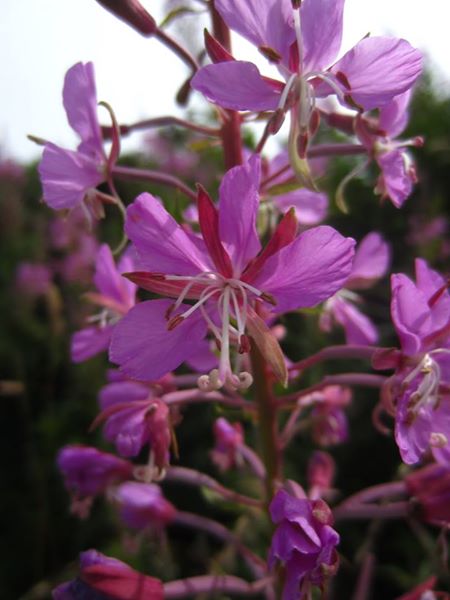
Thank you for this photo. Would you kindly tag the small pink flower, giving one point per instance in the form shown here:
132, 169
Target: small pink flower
142, 505
229, 437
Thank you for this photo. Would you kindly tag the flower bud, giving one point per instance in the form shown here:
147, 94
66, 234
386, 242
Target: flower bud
133, 13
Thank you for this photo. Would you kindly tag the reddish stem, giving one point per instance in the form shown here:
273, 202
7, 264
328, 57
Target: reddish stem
131, 174
166, 121
335, 352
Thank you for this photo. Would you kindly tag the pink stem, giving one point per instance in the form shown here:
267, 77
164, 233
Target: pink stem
131, 174
161, 122
335, 352
363, 587
395, 510
377, 492
175, 47
198, 479
217, 530
254, 462
209, 584
348, 379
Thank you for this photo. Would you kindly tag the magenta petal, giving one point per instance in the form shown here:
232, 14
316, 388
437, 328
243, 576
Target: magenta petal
321, 23
109, 281
310, 207
162, 245
396, 180
237, 85
80, 102
410, 314
144, 348
309, 270
122, 391
90, 341
66, 176
267, 23
372, 258
394, 116
431, 283
238, 208
359, 329
378, 69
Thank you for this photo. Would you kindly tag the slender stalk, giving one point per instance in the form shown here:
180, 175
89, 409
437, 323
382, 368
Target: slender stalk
217, 530
343, 352
198, 479
166, 121
177, 49
210, 584
394, 510
231, 127
131, 174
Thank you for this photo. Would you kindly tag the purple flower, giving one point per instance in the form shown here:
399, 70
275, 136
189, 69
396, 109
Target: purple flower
372, 258
69, 176
430, 486
418, 392
304, 43
88, 472
33, 279
329, 421
116, 295
229, 437
102, 577
398, 172
142, 505
304, 542
134, 417
230, 278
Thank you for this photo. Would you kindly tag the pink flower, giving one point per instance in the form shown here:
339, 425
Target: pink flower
33, 279
372, 258
418, 394
116, 295
230, 277
89, 472
105, 577
134, 417
142, 505
398, 172
304, 542
303, 43
68, 176
229, 437
430, 486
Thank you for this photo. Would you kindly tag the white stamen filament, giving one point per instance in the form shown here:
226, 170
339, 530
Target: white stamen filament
299, 37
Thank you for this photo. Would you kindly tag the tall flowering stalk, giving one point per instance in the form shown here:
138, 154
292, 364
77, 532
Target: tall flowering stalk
211, 296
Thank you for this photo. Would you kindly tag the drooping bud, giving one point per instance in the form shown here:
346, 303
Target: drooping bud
133, 14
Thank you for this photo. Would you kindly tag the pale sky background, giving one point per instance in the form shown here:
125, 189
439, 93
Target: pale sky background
41, 39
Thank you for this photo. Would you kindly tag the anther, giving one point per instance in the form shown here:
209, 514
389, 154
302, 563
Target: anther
174, 322
438, 440
169, 311
268, 298
244, 344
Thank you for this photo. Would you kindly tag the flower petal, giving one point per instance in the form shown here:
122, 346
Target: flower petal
379, 68
410, 313
321, 24
309, 270
264, 24
237, 85
80, 102
310, 207
238, 208
372, 258
108, 280
162, 245
90, 341
394, 116
144, 348
359, 329
396, 181
66, 176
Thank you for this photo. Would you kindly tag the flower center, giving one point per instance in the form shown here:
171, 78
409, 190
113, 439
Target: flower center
428, 375
232, 298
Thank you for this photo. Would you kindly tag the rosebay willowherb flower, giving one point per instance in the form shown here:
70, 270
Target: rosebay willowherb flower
228, 275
